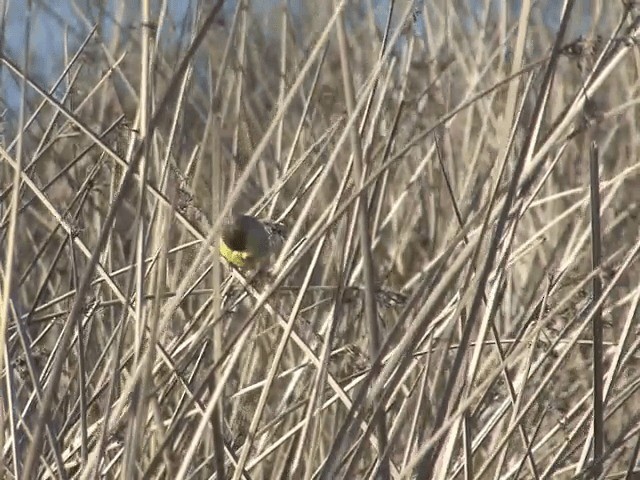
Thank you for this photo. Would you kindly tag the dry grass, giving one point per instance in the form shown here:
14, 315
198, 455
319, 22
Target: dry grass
461, 264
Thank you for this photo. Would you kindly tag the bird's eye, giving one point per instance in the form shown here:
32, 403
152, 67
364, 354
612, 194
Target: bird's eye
235, 239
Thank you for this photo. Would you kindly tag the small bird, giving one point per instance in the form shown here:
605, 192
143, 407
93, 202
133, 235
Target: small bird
247, 241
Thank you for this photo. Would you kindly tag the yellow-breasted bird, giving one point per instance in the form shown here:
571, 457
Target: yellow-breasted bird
247, 241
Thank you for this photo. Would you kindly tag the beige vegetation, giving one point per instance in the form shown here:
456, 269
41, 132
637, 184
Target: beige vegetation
449, 288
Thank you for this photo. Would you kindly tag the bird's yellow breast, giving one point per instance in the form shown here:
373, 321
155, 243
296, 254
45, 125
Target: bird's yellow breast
235, 257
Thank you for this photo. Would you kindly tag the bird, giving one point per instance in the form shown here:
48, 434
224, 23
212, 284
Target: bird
247, 242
